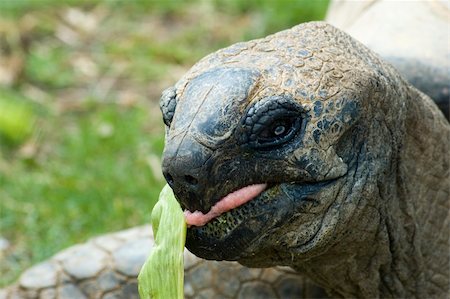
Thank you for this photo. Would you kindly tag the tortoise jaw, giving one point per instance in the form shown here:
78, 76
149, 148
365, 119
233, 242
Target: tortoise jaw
232, 235
227, 203
226, 236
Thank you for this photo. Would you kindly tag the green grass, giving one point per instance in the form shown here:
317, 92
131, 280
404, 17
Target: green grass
93, 178
80, 129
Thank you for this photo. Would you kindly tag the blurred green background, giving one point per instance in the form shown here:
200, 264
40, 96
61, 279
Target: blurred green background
80, 130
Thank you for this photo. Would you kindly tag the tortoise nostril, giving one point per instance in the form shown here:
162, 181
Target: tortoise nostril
190, 180
169, 179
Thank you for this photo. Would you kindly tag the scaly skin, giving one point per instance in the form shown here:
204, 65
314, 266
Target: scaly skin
107, 266
377, 228
359, 196
411, 35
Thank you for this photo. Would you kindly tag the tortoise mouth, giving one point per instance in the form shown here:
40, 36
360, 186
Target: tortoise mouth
223, 224
227, 203
227, 236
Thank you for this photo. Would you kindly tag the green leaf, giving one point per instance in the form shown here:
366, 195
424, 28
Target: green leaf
162, 275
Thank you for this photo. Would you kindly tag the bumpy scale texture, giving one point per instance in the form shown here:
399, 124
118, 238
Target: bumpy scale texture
380, 227
412, 35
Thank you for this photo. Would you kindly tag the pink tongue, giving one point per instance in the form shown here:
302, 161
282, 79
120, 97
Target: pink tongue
231, 201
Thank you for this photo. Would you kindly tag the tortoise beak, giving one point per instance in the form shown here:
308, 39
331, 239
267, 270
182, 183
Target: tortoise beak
205, 115
185, 168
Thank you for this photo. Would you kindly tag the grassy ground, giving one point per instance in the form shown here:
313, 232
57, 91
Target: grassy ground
80, 130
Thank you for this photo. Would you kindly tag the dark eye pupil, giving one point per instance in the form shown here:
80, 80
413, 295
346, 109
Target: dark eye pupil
279, 130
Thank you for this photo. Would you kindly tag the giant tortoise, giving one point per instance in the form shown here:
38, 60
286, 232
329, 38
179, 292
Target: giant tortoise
331, 165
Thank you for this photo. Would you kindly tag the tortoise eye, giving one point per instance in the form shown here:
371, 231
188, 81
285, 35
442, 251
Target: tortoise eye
278, 129
272, 122
168, 104
278, 132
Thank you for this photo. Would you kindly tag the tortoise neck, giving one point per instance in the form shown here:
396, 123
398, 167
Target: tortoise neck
423, 191
401, 249
389, 268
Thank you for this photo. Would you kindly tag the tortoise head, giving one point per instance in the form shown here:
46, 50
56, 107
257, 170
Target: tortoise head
268, 144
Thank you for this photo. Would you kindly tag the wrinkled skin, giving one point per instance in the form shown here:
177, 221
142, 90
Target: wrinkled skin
355, 158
